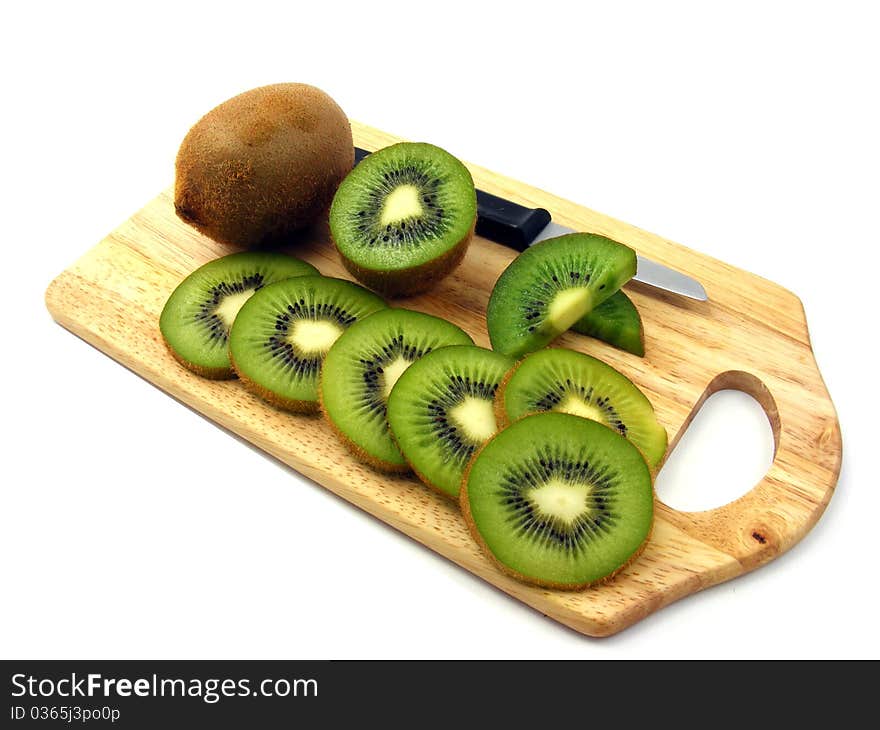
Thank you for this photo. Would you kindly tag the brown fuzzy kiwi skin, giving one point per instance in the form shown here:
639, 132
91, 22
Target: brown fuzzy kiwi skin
302, 407
263, 164
368, 459
465, 505
209, 373
415, 280
498, 404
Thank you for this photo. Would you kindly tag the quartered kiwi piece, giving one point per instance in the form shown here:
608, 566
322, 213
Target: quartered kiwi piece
574, 383
552, 285
196, 318
617, 322
362, 367
559, 501
441, 411
403, 218
282, 333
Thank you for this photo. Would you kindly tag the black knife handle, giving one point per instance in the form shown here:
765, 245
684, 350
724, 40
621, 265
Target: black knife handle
508, 223
500, 220
359, 154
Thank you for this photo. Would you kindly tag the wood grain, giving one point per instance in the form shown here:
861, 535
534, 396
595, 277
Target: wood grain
750, 335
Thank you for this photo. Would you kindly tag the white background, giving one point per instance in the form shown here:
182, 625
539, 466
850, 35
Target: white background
132, 527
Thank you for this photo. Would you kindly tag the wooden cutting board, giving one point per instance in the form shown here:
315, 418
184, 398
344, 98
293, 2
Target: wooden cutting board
751, 335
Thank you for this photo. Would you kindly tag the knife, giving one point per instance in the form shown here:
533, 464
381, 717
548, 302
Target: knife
519, 227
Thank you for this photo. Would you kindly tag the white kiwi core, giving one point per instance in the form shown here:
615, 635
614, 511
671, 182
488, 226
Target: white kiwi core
402, 203
568, 306
561, 500
391, 372
228, 307
579, 407
475, 417
311, 336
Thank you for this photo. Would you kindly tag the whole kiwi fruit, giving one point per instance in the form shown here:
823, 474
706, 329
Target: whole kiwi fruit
263, 164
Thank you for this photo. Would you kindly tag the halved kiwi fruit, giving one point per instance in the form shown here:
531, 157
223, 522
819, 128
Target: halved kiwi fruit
282, 333
571, 382
617, 322
403, 218
196, 318
441, 411
552, 285
559, 501
362, 367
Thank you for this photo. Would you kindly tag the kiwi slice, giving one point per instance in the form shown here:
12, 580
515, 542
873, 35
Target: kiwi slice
552, 285
559, 501
441, 411
617, 322
279, 338
196, 318
403, 218
574, 383
361, 369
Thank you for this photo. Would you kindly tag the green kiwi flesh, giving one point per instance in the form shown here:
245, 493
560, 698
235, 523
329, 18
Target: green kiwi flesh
196, 319
441, 411
402, 219
362, 367
615, 321
551, 286
571, 382
559, 501
282, 333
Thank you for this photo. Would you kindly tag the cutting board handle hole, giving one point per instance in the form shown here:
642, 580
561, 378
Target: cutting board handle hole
725, 448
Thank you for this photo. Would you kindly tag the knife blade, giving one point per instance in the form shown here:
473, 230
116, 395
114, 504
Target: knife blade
519, 227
